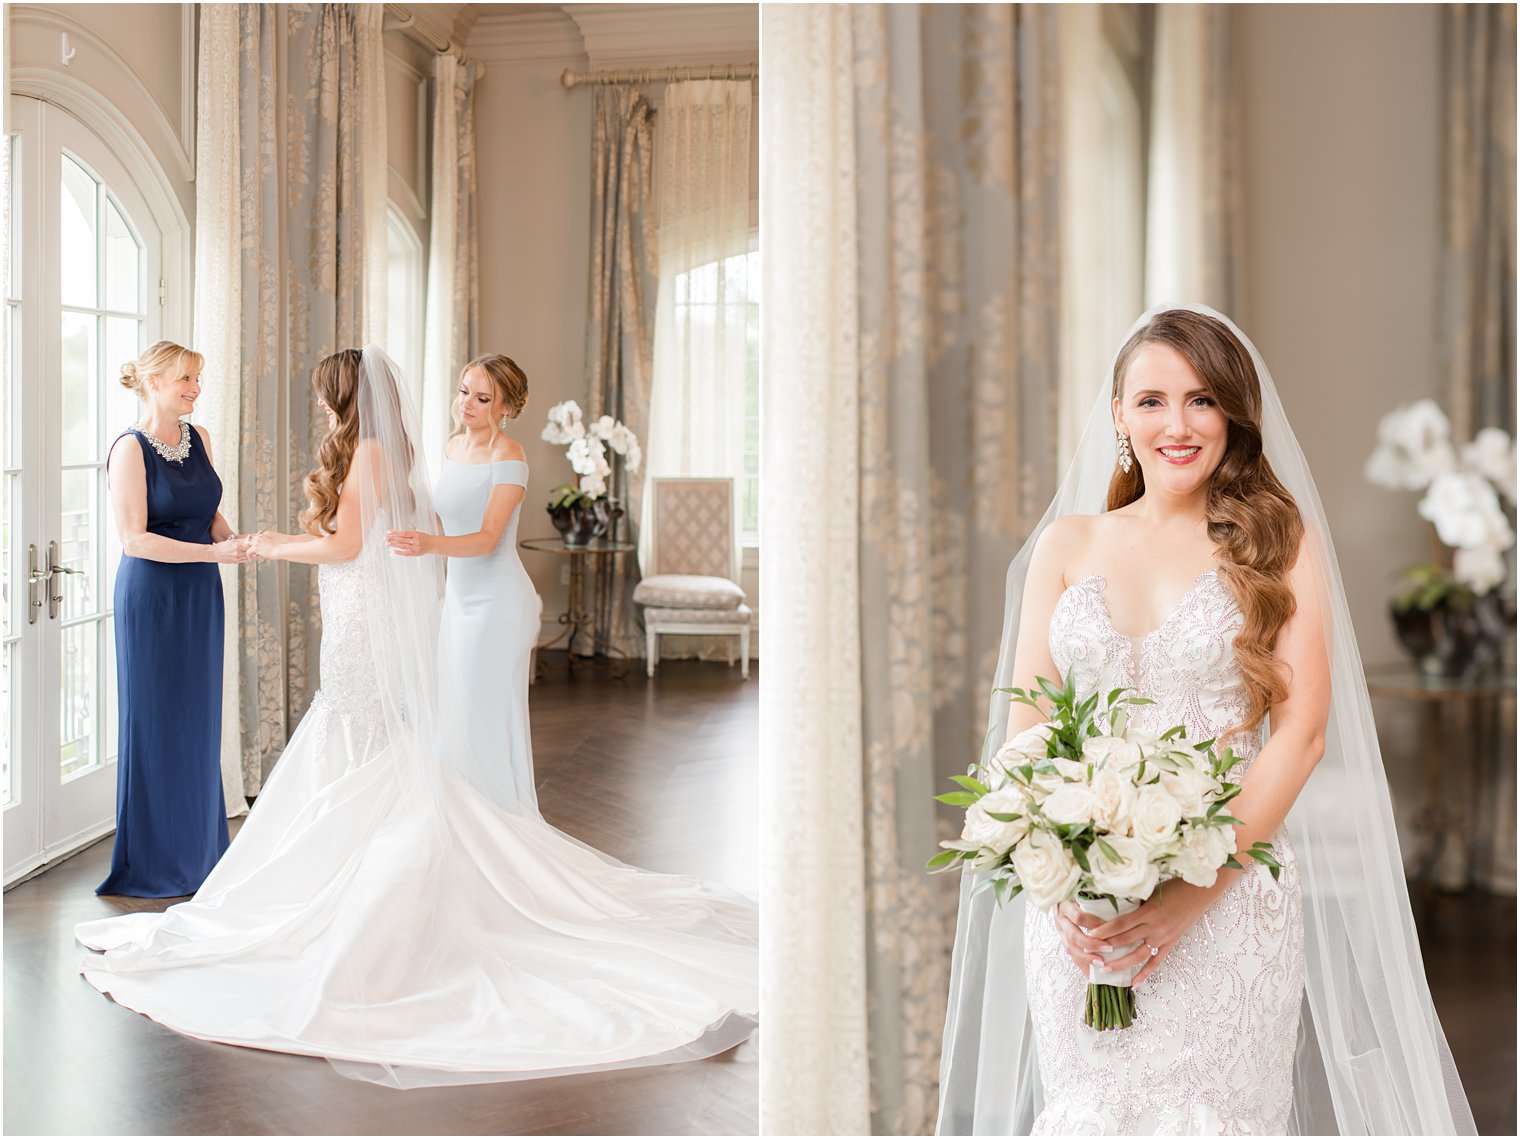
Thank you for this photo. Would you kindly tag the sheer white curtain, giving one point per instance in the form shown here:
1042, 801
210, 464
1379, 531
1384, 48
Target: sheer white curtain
696, 405
814, 1071
218, 302
453, 286
1193, 201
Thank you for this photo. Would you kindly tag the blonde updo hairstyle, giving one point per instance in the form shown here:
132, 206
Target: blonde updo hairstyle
1252, 518
509, 380
161, 358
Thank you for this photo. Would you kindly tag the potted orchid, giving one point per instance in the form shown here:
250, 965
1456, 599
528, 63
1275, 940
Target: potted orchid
1452, 612
582, 510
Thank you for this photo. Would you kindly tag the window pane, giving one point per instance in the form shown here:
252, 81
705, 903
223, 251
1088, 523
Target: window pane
77, 743
123, 263
77, 233
124, 340
11, 366
76, 548
81, 419
7, 678
11, 599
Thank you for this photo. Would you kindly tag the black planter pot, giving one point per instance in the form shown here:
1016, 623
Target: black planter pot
1455, 643
582, 523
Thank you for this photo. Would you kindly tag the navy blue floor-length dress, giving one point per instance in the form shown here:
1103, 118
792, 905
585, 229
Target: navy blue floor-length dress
171, 819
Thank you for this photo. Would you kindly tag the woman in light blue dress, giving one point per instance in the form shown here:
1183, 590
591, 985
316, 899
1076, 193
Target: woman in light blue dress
490, 608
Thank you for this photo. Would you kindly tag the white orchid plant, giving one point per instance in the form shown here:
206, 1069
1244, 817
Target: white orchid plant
587, 448
1466, 492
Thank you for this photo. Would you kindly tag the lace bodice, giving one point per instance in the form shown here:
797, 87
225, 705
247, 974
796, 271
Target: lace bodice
1186, 664
349, 684
1211, 1050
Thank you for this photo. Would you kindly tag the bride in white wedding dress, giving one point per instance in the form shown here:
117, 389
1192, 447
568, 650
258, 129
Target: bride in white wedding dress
378, 908
1186, 558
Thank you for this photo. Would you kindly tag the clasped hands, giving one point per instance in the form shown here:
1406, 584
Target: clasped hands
1159, 923
238, 548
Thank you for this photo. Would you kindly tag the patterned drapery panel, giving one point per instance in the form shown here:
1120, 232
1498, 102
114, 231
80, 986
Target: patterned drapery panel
620, 327
1478, 285
958, 183
287, 192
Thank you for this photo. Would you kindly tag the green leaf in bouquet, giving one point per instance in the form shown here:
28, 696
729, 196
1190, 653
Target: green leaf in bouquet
1227, 820
982, 886
1176, 731
946, 858
1052, 693
1233, 863
1139, 700
957, 798
1113, 696
1108, 851
1080, 854
1204, 745
969, 783
1003, 816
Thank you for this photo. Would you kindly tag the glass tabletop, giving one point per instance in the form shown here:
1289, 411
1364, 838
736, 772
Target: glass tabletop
1407, 682
557, 546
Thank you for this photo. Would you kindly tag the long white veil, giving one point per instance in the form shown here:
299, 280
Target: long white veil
1371, 1056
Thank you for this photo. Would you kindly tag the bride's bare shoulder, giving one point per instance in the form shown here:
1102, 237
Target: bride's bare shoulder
1063, 544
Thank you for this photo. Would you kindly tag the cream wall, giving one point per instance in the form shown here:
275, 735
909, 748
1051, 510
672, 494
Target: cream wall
1340, 131
533, 146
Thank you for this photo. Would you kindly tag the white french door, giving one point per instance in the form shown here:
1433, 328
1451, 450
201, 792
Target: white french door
83, 295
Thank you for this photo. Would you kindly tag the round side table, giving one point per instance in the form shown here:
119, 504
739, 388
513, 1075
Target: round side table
577, 617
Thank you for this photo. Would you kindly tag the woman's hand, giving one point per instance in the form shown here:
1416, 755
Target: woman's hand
1158, 925
233, 550
411, 543
1073, 926
266, 544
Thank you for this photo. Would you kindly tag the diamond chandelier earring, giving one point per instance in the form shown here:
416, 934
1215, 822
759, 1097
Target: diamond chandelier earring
1125, 462
505, 419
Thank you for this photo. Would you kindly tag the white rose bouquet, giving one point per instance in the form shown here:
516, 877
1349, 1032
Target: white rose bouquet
1083, 808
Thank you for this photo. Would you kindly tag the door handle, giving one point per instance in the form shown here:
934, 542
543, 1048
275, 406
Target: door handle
34, 578
55, 596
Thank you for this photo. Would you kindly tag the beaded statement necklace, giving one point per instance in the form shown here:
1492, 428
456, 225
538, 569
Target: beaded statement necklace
174, 454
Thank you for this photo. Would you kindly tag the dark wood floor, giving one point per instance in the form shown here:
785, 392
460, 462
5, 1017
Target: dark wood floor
1468, 942
659, 773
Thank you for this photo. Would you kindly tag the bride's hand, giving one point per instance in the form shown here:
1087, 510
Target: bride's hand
1073, 926
1158, 924
410, 543
266, 544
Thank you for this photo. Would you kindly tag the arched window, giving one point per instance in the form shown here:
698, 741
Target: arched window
84, 293
406, 278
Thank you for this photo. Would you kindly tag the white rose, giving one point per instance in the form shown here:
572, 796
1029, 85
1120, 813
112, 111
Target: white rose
1492, 454
996, 834
1188, 788
1149, 743
1131, 875
1069, 803
1046, 869
1481, 569
1113, 796
1466, 512
1155, 817
1113, 752
1029, 746
1202, 853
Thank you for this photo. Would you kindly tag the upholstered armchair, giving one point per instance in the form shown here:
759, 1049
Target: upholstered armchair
693, 562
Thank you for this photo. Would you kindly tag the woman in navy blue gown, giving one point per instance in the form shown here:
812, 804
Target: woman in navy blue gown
171, 821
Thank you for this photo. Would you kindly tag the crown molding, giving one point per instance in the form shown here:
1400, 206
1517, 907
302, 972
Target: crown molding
667, 35
534, 37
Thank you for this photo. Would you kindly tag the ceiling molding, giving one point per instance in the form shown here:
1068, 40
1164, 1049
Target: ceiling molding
667, 35
541, 37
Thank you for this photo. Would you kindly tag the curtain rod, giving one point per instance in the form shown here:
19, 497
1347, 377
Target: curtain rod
406, 21
571, 79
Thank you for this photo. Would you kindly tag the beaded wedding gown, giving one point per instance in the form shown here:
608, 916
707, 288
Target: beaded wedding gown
1211, 1050
383, 909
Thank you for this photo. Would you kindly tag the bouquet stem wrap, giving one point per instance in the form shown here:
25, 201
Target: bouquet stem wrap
1110, 996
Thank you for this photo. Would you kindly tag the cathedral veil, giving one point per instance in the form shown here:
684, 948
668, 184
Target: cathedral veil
1371, 1055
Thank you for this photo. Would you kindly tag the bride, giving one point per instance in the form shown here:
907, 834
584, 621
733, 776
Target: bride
378, 908
1186, 557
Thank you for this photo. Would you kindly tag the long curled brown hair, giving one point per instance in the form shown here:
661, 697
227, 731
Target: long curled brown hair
336, 380
1253, 521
